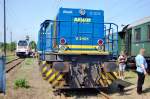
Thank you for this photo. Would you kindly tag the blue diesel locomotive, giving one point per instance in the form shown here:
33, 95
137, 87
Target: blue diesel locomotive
77, 48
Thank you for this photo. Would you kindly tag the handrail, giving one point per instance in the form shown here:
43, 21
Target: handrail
111, 40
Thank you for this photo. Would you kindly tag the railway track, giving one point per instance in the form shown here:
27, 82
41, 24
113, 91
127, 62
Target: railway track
13, 63
11, 60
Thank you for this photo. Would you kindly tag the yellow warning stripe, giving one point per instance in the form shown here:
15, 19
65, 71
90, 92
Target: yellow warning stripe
109, 80
57, 80
105, 78
49, 72
83, 52
101, 82
110, 76
44, 69
53, 76
83, 46
115, 74
115, 77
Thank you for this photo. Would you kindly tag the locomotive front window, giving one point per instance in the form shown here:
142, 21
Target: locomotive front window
22, 43
137, 34
148, 32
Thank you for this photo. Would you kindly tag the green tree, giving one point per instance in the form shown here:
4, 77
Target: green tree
32, 45
13, 46
9, 46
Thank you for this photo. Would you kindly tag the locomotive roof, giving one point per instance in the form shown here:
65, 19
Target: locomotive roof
79, 9
139, 22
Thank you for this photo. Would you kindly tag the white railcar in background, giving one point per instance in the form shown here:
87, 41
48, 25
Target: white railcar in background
23, 49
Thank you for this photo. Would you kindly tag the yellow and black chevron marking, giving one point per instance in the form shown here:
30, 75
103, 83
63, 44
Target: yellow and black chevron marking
107, 78
43, 68
54, 77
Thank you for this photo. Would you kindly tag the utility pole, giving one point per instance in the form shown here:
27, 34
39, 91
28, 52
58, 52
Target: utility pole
4, 28
11, 41
11, 37
3, 63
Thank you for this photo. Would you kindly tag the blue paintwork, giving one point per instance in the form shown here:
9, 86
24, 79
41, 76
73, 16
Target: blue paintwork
71, 30
65, 27
44, 36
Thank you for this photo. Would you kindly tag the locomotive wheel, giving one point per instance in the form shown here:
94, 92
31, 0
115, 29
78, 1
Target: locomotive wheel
55, 78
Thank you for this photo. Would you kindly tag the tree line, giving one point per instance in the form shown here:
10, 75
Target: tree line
12, 46
9, 46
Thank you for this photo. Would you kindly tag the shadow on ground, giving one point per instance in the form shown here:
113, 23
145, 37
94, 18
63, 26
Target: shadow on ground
146, 90
80, 93
122, 90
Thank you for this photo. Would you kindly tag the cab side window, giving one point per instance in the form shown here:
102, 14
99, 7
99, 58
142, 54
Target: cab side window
137, 33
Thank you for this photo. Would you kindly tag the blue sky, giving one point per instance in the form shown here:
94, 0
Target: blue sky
24, 16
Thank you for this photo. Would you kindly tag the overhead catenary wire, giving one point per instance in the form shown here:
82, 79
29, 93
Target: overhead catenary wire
57, 3
10, 15
128, 7
1, 23
1, 3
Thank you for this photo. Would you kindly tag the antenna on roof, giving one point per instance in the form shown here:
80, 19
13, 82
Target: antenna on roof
27, 37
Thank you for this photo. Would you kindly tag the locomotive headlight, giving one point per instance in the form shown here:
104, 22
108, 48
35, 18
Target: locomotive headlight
100, 48
63, 47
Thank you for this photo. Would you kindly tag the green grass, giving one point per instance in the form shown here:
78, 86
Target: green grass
132, 77
26, 66
21, 83
22, 76
9, 58
28, 61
